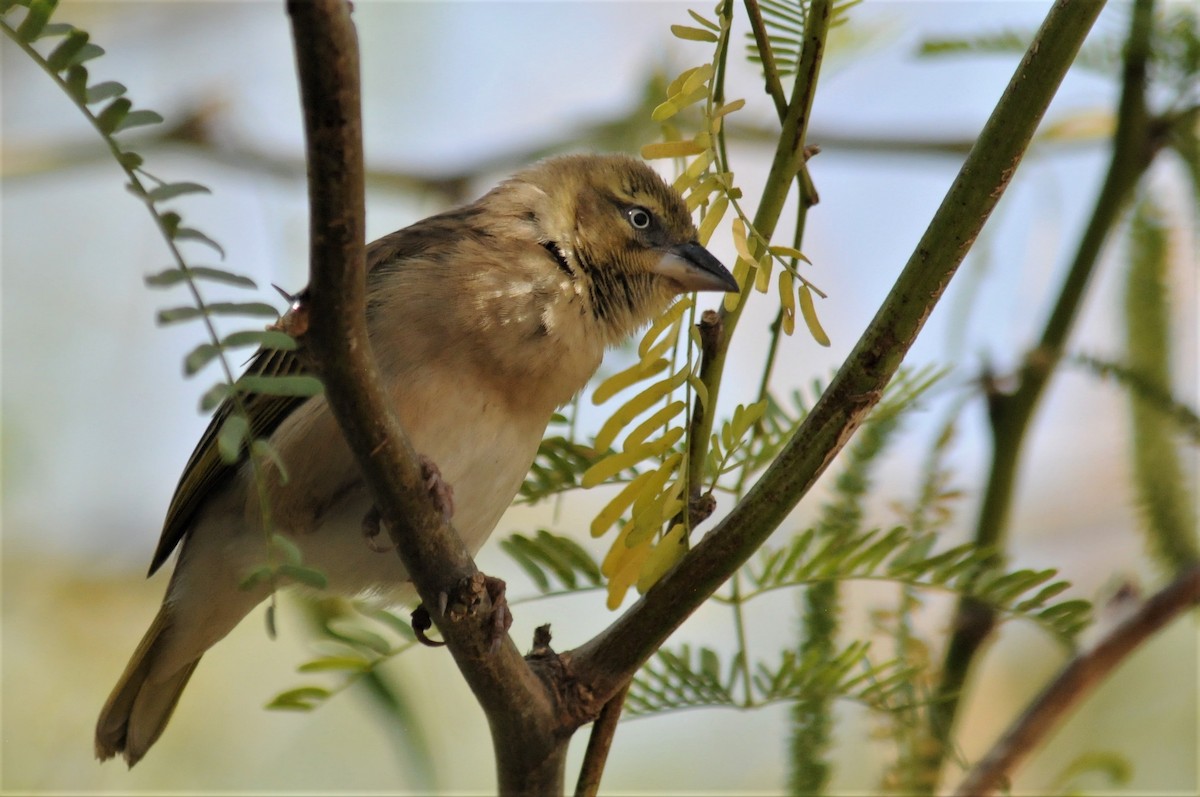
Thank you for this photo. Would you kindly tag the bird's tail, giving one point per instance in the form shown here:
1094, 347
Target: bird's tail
138, 709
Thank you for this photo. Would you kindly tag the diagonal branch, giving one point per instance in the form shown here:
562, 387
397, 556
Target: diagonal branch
515, 700
608, 660
1086, 671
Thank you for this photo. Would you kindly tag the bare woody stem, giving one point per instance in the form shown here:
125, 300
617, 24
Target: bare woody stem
1086, 671
529, 755
608, 660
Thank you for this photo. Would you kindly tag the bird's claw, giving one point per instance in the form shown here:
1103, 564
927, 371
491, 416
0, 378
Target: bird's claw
372, 529
441, 492
421, 622
466, 601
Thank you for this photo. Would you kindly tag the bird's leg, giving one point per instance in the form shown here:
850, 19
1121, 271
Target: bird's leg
441, 492
372, 529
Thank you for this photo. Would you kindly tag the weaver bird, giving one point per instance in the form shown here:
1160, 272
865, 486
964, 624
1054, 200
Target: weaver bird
483, 321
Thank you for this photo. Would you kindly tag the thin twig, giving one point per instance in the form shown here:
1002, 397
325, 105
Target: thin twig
1084, 673
599, 743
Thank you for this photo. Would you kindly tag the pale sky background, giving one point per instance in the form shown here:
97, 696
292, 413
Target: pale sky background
97, 420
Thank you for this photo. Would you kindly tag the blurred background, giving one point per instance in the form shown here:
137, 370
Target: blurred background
98, 420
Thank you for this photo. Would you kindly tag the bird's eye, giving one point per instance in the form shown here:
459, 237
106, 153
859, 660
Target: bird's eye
639, 217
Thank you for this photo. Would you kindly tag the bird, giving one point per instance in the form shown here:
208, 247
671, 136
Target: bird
483, 320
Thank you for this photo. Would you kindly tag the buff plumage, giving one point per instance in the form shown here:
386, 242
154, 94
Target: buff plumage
484, 320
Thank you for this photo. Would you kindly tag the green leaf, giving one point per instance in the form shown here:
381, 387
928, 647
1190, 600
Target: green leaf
809, 312
87, 53
1007, 42
175, 275
165, 278
170, 219
110, 118
214, 396
518, 551
689, 33
571, 552
190, 234
107, 90
130, 160
400, 625
356, 635
139, 118
1043, 595
172, 190
705, 22
35, 20
221, 275
55, 28
231, 438
328, 663
285, 549
76, 80
257, 576
302, 698
267, 339
304, 575
174, 315
1003, 589
199, 357
562, 569
62, 56
299, 386
261, 309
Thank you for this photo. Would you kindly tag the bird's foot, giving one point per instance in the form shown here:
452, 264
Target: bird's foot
465, 601
441, 492
372, 530
501, 618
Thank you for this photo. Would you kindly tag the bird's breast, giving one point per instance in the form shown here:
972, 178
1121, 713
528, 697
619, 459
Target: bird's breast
482, 441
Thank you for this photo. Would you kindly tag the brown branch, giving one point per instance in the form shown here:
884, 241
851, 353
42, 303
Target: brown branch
519, 708
1085, 672
599, 743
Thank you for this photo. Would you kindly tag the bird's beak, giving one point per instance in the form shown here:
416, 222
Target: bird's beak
695, 269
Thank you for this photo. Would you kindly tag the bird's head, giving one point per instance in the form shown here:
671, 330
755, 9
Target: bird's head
621, 234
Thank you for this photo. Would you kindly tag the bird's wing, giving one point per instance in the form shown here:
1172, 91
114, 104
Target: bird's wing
206, 470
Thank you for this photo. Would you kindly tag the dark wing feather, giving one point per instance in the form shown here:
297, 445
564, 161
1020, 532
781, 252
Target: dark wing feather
205, 470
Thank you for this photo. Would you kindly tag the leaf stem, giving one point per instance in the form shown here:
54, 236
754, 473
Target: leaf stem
788, 159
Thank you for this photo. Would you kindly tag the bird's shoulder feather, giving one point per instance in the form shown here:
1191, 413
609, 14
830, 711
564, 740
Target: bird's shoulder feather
206, 471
